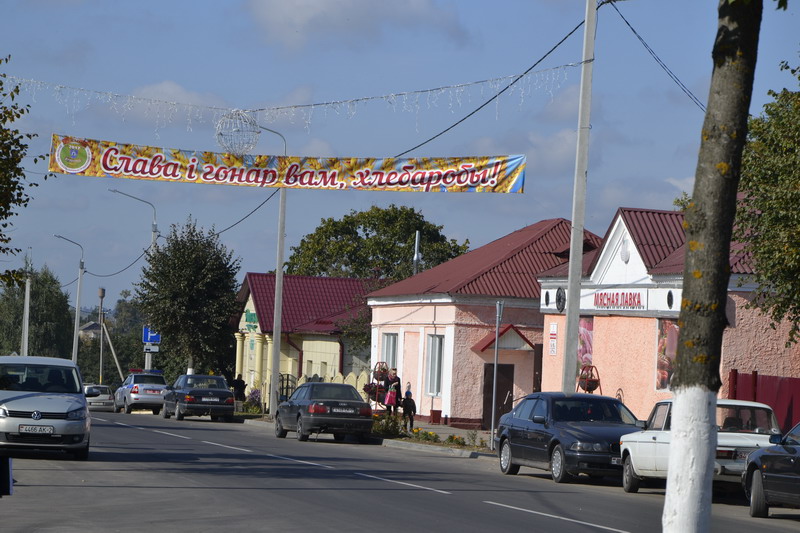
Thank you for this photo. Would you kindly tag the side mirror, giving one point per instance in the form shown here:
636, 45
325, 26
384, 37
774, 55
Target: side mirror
282, 398
92, 392
539, 419
775, 438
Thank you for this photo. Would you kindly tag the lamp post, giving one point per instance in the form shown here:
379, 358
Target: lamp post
155, 226
77, 301
237, 132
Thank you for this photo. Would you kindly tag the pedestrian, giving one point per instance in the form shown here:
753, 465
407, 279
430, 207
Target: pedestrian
392, 386
239, 386
409, 410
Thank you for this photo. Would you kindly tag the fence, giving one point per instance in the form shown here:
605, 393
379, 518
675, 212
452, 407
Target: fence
782, 394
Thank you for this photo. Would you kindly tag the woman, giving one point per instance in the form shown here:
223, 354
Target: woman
392, 382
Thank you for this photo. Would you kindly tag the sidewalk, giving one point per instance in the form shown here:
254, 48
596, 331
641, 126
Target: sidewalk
442, 430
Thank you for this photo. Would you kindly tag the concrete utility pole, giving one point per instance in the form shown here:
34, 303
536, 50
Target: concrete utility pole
77, 301
579, 203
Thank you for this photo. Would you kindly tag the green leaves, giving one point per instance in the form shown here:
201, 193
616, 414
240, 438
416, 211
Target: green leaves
768, 221
377, 243
188, 294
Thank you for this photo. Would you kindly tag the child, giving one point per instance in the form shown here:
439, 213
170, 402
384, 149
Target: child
409, 410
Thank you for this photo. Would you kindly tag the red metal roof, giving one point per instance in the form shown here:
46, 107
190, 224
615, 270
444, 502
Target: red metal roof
506, 267
306, 299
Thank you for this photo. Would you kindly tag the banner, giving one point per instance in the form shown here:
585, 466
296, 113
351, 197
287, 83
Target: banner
88, 157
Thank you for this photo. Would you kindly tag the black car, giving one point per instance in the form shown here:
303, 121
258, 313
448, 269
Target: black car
198, 395
324, 408
772, 474
567, 434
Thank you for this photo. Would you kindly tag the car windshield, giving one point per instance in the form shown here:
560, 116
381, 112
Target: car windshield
207, 383
592, 410
39, 378
746, 419
149, 380
328, 392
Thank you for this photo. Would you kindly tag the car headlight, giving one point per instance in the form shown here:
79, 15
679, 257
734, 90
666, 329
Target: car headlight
588, 447
3, 412
78, 414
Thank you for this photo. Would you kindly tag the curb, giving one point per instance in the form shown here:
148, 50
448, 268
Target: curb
391, 443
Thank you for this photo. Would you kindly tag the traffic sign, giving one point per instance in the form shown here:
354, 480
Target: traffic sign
150, 348
149, 336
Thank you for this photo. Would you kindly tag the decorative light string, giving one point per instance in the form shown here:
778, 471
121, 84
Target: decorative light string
163, 113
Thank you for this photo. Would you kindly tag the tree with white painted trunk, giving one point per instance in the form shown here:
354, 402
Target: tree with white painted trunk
708, 223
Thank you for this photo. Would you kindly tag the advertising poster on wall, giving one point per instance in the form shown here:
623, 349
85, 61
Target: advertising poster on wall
667, 348
585, 339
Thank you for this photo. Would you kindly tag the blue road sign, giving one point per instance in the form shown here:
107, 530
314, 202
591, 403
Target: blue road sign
150, 336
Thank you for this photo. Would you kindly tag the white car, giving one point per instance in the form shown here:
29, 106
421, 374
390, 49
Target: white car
742, 428
104, 401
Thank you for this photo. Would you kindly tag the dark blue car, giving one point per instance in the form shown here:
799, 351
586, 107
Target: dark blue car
567, 434
772, 475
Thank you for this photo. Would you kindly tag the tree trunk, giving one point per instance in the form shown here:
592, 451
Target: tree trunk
708, 223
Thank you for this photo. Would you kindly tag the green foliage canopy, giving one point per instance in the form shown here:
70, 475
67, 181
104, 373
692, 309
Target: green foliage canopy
12, 175
50, 322
188, 294
377, 243
768, 218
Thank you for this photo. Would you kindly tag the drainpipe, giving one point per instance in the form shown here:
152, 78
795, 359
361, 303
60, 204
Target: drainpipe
341, 357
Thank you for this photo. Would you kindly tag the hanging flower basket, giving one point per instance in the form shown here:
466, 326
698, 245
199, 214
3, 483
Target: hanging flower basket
380, 372
588, 384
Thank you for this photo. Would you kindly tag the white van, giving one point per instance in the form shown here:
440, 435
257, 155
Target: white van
43, 405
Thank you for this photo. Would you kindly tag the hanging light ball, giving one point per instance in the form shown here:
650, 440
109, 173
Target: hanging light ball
237, 132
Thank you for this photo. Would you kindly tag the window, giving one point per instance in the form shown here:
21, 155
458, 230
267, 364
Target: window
525, 409
390, 349
435, 352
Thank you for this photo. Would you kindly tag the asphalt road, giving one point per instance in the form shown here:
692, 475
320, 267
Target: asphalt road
148, 475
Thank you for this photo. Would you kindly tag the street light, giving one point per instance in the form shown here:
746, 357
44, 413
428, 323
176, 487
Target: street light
237, 132
155, 226
77, 301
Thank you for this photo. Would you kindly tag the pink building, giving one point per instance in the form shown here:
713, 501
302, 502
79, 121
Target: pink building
438, 327
630, 301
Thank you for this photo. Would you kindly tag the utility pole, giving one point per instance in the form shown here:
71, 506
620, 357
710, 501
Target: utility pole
102, 293
579, 203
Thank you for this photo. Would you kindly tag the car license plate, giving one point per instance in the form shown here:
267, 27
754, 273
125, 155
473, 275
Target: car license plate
152, 391
210, 399
616, 460
343, 410
36, 429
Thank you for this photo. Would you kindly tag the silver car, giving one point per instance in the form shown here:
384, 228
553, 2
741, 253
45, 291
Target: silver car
104, 401
43, 405
142, 389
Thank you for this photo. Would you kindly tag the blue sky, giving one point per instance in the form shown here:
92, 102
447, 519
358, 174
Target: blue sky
82, 62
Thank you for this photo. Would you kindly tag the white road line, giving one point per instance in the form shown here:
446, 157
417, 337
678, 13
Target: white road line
403, 483
557, 517
127, 425
226, 446
297, 460
172, 434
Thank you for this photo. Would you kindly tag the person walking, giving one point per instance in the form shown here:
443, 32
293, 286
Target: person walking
239, 386
392, 385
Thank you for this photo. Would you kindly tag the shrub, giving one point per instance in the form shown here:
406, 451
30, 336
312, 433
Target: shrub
387, 425
252, 403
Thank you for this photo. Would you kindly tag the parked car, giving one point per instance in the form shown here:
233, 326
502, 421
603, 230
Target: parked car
742, 427
772, 474
43, 405
142, 389
104, 401
567, 434
324, 408
199, 395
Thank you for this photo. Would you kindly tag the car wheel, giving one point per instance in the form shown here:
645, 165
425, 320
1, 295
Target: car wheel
280, 432
82, 454
507, 465
338, 437
156, 410
178, 412
558, 467
127, 407
630, 483
164, 412
301, 433
758, 504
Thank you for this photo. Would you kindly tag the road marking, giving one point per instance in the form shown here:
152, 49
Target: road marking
297, 460
226, 446
172, 434
402, 483
557, 517
128, 425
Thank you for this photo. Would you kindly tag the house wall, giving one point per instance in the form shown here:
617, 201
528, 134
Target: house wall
462, 326
320, 356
